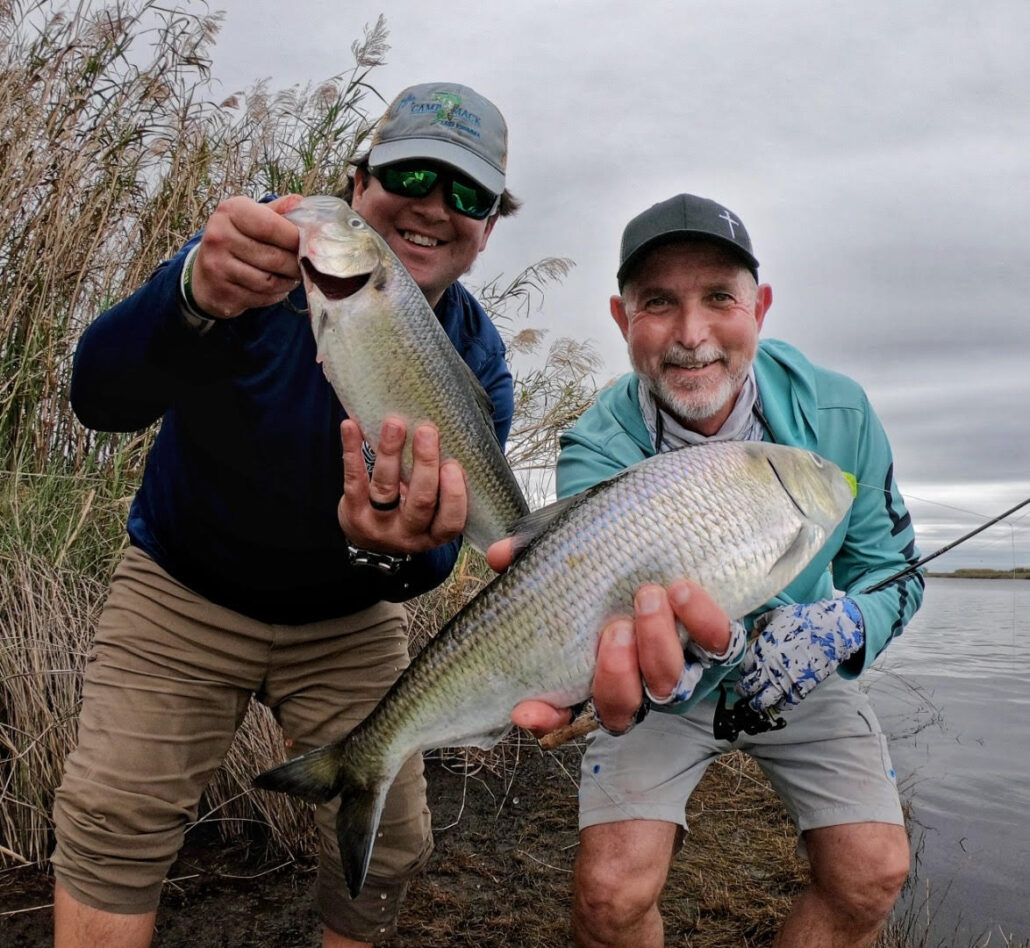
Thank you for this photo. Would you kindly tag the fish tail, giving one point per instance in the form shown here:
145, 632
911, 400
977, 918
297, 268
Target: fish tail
316, 776
361, 807
331, 771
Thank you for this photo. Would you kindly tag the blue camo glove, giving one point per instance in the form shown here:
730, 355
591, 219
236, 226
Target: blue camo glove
797, 647
695, 660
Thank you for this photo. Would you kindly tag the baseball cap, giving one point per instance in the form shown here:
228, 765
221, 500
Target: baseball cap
449, 123
684, 215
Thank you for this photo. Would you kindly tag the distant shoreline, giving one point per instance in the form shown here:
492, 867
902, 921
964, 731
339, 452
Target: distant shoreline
1019, 572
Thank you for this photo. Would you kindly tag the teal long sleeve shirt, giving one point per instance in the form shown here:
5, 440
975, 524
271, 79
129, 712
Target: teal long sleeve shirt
805, 406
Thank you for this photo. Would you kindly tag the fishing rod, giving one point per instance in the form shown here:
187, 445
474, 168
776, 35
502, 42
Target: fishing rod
908, 570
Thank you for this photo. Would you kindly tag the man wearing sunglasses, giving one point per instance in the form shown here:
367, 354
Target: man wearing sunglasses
239, 581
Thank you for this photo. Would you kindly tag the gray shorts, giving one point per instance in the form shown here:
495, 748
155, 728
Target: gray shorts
829, 765
167, 683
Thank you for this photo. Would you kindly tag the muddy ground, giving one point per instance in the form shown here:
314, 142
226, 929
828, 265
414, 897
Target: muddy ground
500, 875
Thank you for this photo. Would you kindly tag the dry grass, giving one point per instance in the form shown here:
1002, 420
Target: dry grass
112, 153
46, 613
112, 156
285, 825
506, 844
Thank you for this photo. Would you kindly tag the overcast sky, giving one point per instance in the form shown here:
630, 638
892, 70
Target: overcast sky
878, 154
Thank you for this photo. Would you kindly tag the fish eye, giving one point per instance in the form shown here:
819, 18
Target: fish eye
355, 222
818, 460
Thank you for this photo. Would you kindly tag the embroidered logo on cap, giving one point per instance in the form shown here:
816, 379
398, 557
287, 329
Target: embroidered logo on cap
728, 217
448, 103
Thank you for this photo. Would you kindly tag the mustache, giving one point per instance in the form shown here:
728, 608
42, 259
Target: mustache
686, 358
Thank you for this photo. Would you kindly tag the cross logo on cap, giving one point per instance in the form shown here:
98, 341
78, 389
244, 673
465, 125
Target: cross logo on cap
728, 217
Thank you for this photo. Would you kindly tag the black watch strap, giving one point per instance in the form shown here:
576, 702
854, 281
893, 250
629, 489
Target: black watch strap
384, 562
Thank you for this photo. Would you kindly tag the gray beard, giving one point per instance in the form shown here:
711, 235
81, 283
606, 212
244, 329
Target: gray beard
702, 403
743, 424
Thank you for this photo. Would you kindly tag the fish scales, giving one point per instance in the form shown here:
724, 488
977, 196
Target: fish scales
385, 353
538, 626
411, 378
741, 519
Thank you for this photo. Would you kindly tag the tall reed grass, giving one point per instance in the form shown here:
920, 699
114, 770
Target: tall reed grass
113, 151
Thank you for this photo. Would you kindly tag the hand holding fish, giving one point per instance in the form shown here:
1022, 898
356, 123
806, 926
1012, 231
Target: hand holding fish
387, 516
638, 651
247, 257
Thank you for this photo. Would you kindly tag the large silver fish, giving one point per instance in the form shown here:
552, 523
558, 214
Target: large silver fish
740, 518
385, 353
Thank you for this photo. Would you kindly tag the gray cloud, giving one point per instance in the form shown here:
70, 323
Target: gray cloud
879, 157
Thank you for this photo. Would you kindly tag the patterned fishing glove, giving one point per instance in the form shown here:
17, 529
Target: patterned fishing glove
797, 647
695, 660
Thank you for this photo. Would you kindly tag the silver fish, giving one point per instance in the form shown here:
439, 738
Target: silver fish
385, 353
740, 518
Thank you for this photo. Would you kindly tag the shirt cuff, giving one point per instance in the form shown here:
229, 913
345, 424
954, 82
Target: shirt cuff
192, 315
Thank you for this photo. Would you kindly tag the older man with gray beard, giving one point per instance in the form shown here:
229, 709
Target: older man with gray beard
691, 308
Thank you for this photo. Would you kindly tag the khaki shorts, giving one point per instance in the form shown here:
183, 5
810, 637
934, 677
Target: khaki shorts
830, 764
167, 684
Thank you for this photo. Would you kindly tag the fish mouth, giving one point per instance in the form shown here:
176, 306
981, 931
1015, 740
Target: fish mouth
334, 287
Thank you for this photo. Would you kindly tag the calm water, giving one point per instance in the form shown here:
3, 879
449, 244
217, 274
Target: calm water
953, 693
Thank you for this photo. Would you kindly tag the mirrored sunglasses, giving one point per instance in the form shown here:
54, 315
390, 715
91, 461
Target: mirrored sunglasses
460, 193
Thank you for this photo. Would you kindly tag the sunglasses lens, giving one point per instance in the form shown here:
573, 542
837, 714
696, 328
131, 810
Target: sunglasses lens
409, 182
470, 199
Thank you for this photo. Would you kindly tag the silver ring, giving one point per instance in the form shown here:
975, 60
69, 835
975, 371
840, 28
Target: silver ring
388, 505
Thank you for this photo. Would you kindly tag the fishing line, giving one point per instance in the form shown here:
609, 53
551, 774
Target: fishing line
908, 570
997, 540
972, 513
1012, 541
933, 503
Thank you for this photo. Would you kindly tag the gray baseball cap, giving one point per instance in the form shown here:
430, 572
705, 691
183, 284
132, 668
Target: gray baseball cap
445, 122
684, 215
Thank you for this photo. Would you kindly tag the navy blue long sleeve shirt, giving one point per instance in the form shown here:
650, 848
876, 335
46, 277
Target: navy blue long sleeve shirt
239, 496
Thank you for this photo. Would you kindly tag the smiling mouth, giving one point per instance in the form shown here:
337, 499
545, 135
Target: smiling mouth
333, 287
693, 366
420, 240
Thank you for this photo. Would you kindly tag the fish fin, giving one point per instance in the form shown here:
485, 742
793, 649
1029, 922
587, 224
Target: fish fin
795, 548
319, 320
488, 740
315, 776
526, 529
361, 808
322, 774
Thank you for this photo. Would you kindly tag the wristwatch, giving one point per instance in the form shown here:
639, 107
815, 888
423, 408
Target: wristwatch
384, 562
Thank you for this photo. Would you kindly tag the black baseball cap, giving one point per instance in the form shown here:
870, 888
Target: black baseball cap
684, 215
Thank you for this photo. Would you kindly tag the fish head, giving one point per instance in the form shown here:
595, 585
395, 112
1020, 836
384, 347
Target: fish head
339, 252
820, 490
